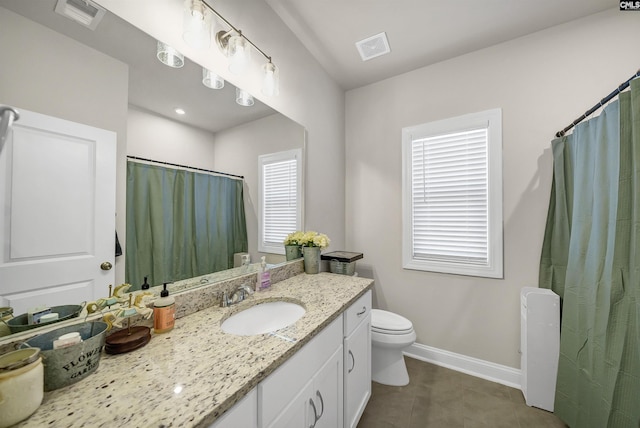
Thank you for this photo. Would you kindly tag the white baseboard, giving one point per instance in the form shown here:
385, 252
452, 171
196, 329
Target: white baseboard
472, 366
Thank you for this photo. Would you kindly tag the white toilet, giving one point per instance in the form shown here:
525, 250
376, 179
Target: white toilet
390, 334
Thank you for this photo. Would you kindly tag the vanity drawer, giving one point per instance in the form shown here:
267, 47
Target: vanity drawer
357, 312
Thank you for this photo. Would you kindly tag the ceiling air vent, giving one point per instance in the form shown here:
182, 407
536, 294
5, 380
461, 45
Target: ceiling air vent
84, 12
373, 46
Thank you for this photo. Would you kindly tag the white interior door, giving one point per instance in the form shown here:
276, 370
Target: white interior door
57, 222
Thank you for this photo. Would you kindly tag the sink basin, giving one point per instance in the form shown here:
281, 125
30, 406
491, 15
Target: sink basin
263, 318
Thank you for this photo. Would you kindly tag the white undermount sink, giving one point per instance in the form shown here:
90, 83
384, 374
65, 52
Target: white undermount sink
263, 318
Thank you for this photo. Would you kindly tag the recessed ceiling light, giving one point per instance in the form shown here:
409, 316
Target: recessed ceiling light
180, 111
373, 46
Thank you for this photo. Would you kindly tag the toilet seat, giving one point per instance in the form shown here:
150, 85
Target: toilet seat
385, 322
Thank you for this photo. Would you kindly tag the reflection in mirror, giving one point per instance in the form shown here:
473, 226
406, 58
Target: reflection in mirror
215, 133
181, 223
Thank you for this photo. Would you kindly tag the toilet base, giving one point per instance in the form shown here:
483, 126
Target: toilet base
388, 366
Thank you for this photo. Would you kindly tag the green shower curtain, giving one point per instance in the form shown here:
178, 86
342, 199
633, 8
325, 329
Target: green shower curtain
591, 258
181, 224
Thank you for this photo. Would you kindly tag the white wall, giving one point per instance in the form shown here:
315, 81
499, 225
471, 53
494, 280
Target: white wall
46, 72
236, 152
307, 94
542, 82
52, 74
154, 137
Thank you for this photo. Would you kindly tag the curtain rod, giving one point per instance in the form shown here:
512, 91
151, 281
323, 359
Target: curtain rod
603, 101
185, 166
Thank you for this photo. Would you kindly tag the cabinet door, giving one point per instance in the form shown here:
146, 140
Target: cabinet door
57, 223
280, 388
357, 372
327, 394
243, 414
298, 413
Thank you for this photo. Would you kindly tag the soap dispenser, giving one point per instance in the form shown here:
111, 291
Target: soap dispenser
264, 276
145, 285
164, 312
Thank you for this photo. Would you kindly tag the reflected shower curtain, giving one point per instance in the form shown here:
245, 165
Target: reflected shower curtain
181, 224
591, 258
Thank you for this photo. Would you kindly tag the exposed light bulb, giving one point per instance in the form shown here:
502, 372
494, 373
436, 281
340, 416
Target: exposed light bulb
239, 54
196, 27
270, 80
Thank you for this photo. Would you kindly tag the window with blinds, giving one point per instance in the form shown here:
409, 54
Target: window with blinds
452, 192
280, 199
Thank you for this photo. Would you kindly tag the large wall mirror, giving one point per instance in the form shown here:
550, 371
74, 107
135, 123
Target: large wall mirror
215, 133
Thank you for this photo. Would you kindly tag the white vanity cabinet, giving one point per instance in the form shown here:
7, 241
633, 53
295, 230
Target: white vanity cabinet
325, 384
307, 390
357, 359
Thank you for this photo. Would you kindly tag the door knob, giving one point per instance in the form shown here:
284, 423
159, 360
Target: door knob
106, 266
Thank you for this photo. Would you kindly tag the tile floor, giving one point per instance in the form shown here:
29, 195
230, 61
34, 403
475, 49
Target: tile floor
441, 398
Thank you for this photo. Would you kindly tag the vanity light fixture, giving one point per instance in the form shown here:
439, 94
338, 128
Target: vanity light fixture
196, 24
270, 79
244, 98
169, 56
237, 47
211, 79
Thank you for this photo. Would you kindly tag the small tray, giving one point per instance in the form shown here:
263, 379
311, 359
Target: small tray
342, 256
21, 322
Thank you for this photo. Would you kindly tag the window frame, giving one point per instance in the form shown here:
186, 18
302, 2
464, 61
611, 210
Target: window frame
263, 160
492, 120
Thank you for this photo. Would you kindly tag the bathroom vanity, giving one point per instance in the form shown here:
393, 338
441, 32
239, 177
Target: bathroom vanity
315, 372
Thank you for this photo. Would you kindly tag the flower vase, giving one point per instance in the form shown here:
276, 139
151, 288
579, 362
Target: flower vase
293, 252
311, 259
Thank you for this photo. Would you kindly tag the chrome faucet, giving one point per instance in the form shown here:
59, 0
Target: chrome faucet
239, 294
245, 290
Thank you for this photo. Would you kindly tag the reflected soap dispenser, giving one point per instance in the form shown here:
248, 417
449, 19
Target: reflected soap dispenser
164, 312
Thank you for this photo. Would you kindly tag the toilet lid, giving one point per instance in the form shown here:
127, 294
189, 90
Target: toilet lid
384, 321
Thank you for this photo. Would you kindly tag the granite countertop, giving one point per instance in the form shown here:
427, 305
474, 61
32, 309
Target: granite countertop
194, 373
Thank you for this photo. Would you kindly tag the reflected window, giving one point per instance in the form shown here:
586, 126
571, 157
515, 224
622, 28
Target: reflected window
280, 198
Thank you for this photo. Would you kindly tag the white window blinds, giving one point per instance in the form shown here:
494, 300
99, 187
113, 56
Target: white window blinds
452, 195
449, 197
280, 199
